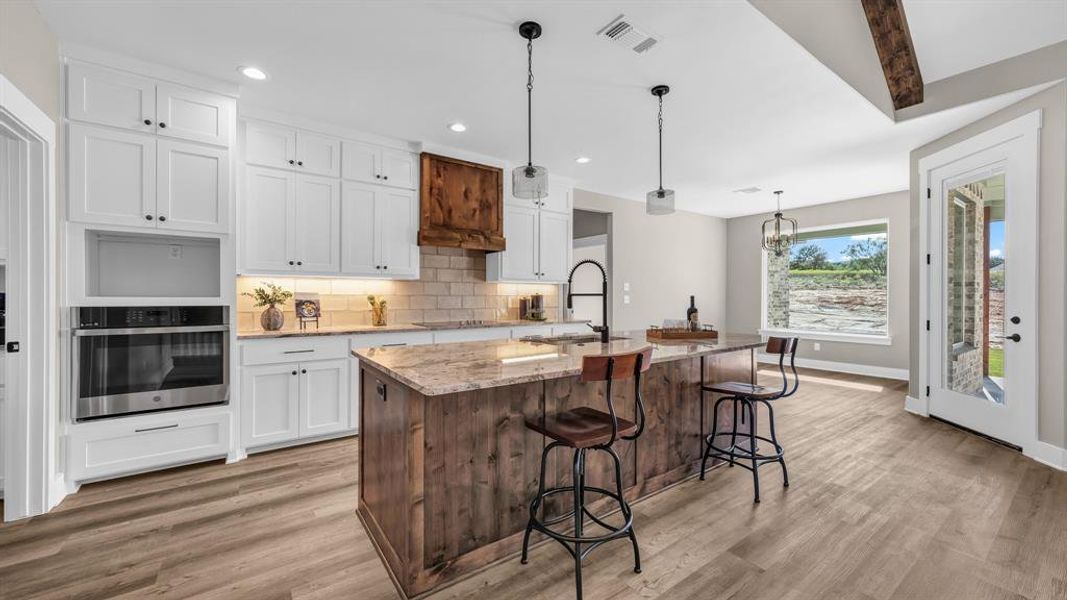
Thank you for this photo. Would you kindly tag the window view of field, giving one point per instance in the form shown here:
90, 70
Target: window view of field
835, 282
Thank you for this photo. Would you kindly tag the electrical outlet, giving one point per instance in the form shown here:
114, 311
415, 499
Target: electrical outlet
817, 346
626, 298
176, 252
626, 286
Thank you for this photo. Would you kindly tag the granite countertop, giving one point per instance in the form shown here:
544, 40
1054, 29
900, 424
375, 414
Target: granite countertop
397, 328
458, 367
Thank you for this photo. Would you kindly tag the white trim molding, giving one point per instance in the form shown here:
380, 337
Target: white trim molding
840, 367
831, 336
1048, 454
917, 406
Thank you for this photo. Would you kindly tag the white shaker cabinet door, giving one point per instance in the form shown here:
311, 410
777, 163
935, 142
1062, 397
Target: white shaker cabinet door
324, 397
399, 169
317, 225
359, 250
268, 220
519, 261
112, 176
193, 115
270, 145
270, 404
554, 235
361, 162
398, 232
318, 154
193, 187
107, 97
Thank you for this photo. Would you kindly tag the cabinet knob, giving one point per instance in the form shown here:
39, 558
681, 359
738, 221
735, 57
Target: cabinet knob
292, 162
303, 370
162, 125
148, 217
300, 163
386, 267
148, 121
291, 263
377, 176
294, 372
385, 177
299, 263
377, 266
162, 218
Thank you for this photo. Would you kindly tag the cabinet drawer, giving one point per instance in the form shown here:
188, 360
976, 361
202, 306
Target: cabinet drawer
374, 340
106, 449
272, 351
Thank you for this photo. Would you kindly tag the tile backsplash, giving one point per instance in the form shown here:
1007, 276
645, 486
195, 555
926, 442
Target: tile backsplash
451, 286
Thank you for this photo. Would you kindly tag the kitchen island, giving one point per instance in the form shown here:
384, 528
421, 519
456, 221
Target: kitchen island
448, 467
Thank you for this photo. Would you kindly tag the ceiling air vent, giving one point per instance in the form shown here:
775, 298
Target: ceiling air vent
748, 190
626, 34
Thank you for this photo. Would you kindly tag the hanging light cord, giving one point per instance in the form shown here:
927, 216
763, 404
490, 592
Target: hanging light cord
529, 102
661, 142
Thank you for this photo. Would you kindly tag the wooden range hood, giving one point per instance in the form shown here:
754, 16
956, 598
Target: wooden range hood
461, 204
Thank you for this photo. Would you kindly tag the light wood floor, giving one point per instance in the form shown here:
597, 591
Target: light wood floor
883, 505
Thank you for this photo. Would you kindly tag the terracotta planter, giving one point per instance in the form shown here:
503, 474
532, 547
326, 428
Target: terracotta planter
272, 319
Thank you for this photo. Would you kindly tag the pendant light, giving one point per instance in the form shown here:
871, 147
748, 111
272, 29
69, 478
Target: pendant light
776, 238
529, 181
660, 201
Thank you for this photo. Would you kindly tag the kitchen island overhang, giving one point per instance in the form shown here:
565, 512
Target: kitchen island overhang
448, 467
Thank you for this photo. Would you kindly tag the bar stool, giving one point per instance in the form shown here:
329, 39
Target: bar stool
582, 429
747, 397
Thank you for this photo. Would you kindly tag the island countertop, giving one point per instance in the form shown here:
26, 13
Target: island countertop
458, 367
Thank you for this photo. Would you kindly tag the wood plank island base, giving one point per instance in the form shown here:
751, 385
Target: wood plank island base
448, 467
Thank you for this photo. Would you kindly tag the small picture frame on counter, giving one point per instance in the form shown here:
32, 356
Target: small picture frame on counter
308, 310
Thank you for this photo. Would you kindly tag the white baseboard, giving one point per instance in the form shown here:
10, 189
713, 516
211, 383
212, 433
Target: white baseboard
917, 406
840, 367
59, 489
1048, 454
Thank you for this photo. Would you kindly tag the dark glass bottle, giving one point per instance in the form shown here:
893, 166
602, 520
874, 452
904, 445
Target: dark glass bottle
692, 316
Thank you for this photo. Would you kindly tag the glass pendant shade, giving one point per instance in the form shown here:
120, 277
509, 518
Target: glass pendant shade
529, 182
659, 202
779, 234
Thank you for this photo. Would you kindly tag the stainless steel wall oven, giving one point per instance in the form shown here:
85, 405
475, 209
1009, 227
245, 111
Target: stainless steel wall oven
137, 359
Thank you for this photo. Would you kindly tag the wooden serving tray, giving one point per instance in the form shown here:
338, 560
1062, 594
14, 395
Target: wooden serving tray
680, 334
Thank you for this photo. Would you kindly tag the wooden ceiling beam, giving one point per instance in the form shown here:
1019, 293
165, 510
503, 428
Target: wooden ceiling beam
892, 39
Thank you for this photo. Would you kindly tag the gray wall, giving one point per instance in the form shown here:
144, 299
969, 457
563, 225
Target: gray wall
744, 274
29, 54
1052, 251
665, 259
589, 224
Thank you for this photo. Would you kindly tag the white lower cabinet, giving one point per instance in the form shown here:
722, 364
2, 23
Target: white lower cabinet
294, 388
101, 449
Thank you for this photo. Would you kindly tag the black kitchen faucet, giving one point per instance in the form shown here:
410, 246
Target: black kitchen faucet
605, 335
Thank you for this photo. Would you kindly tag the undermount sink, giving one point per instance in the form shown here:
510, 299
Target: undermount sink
560, 340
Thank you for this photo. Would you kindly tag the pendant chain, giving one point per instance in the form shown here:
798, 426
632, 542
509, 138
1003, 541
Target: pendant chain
529, 102
661, 143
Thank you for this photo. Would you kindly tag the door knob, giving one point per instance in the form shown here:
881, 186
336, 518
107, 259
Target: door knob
1015, 337
1016, 320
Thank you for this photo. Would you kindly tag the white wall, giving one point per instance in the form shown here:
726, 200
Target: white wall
745, 275
665, 259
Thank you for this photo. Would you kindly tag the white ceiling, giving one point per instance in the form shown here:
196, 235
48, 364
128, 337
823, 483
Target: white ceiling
953, 36
748, 107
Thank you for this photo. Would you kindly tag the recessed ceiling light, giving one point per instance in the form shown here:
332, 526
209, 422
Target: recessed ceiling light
253, 73
582, 160
457, 127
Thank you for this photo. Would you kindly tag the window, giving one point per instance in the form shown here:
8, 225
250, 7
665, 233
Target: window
833, 281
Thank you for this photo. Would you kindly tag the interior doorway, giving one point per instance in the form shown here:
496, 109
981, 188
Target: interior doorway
591, 241
980, 286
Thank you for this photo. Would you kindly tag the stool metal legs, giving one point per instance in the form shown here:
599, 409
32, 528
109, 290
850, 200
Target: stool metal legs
579, 545
734, 453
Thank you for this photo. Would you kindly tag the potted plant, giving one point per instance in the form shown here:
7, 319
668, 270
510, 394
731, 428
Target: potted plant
270, 296
377, 310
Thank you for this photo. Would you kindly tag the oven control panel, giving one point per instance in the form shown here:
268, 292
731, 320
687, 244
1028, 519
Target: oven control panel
108, 317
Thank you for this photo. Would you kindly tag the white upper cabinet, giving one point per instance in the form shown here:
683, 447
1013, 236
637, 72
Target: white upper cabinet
375, 164
538, 237
268, 220
118, 99
317, 224
398, 218
318, 154
281, 147
519, 261
554, 245
192, 187
194, 115
379, 230
112, 176
270, 145
359, 249
107, 97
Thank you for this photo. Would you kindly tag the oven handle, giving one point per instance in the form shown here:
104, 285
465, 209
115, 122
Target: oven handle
149, 330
